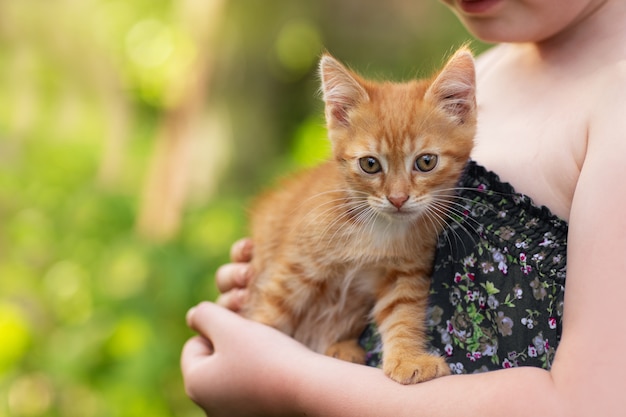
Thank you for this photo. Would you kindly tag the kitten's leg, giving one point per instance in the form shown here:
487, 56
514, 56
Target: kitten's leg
347, 350
400, 314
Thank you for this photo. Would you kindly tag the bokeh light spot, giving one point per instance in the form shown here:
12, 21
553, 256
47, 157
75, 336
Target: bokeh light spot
126, 273
129, 337
215, 229
298, 46
149, 43
15, 335
310, 145
30, 395
67, 285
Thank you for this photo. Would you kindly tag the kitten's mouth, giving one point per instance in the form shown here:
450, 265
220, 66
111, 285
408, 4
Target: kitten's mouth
403, 214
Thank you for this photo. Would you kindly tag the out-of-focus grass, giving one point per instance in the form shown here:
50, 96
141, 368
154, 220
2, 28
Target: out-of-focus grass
92, 316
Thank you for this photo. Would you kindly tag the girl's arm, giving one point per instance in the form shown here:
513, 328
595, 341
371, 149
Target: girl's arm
253, 370
588, 369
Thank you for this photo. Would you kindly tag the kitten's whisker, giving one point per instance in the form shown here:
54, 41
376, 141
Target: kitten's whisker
336, 219
442, 217
434, 221
333, 206
463, 207
361, 220
458, 210
461, 222
457, 199
328, 212
475, 190
434, 212
451, 210
342, 194
356, 211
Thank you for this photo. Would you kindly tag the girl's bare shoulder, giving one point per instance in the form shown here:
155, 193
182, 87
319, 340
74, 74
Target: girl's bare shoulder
607, 92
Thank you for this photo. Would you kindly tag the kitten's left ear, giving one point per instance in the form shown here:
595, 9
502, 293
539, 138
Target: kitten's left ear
454, 89
342, 90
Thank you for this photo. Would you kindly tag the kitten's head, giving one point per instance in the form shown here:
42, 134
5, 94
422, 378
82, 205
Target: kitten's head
401, 146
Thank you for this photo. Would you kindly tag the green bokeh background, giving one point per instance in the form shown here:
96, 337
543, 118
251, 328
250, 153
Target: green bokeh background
92, 305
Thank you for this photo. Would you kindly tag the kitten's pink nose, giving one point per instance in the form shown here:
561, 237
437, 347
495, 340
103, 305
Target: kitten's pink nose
398, 200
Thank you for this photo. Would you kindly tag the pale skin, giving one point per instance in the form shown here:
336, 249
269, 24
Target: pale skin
552, 122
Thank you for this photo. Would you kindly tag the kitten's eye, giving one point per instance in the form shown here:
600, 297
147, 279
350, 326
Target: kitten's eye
426, 162
370, 165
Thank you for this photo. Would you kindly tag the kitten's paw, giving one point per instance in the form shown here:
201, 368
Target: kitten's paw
413, 370
347, 350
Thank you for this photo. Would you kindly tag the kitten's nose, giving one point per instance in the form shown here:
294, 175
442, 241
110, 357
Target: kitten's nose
398, 200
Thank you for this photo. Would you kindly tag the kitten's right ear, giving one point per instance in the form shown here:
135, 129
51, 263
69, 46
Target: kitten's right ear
341, 90
454, 89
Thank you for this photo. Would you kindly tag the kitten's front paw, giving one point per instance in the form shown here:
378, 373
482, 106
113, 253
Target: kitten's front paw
413, 370
347, 350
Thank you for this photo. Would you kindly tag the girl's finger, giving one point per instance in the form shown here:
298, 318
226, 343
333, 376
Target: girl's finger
241, 250
209, 320
233, 299
234, 275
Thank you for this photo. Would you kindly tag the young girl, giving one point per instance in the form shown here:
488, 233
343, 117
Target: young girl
552, 107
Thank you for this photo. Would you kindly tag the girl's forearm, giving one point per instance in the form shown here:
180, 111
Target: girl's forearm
329, 389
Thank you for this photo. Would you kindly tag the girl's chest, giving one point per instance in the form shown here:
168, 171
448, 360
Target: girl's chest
536, 141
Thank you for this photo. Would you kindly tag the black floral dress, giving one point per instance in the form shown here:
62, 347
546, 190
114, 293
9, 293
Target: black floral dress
498, 281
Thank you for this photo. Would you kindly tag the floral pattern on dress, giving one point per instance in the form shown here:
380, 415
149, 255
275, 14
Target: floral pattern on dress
496, 297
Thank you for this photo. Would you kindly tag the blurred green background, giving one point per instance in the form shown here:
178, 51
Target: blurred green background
132, 135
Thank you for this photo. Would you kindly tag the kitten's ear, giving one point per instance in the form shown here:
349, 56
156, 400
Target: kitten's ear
454, 88
342, 90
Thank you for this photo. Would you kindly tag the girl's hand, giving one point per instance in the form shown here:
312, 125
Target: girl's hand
237, 367
233, 278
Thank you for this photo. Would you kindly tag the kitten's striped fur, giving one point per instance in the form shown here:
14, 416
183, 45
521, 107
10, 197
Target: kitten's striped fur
336, 246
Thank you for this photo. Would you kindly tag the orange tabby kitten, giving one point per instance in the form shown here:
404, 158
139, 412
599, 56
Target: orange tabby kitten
354, 238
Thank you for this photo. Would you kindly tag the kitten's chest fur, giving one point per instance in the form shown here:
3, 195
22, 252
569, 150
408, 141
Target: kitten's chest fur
348, 291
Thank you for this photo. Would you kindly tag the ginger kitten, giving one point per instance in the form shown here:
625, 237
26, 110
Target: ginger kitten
354, 238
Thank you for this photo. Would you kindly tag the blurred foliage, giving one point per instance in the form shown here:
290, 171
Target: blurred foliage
91, 312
